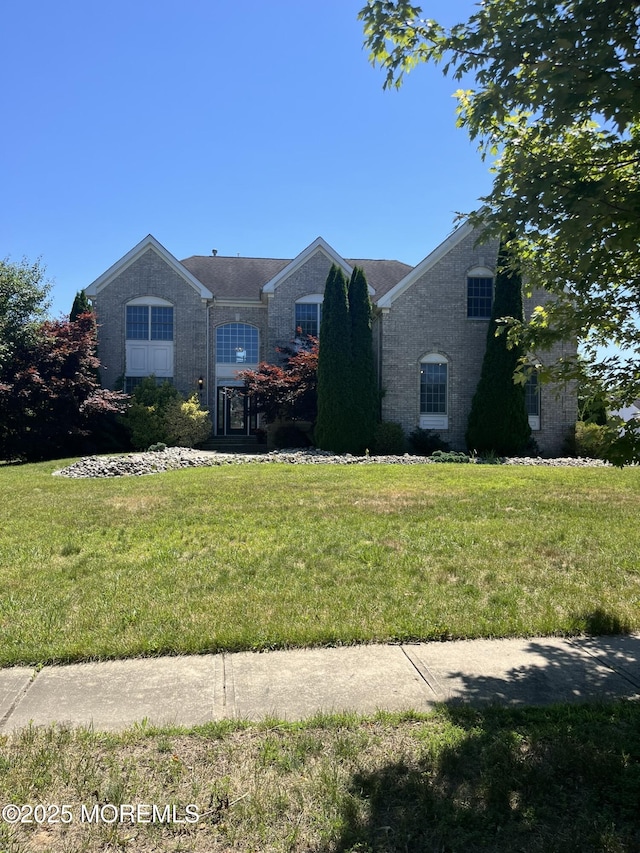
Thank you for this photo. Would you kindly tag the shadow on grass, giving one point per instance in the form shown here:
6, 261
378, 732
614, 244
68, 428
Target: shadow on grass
601, 622
512, 777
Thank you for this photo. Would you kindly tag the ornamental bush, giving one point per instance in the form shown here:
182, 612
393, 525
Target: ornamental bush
424, 442
592, 441
186, 423
455, 456
159, 415
389, 439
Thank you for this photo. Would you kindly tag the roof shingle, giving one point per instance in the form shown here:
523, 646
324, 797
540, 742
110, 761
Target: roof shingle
230, 277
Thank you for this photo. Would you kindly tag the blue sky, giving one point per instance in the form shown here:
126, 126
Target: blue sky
247, 127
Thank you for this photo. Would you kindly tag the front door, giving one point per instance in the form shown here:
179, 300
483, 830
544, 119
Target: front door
234, 415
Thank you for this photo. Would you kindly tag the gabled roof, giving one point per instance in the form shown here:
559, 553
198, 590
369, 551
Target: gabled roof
149, 243
231, 277
318, 245
424, 266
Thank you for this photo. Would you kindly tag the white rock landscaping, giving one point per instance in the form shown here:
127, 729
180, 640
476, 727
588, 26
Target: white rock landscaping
174, 458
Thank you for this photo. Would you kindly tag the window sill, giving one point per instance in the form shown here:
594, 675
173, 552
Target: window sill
434, 422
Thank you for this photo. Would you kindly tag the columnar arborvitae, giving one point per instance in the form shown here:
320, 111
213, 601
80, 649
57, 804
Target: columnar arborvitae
335, 413
498, 419
364, 384
81, 305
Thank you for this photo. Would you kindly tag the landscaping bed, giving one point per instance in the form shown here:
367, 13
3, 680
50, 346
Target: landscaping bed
173, 458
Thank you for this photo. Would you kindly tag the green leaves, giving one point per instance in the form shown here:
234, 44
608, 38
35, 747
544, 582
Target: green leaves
334, 367
555, 103
348, 395
23, 295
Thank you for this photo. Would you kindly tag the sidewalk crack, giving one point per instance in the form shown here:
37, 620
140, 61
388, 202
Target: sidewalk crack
606, 663
425, 674
19, 697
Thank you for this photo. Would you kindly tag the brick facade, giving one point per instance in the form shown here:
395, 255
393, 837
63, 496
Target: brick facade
149, 275
423, 313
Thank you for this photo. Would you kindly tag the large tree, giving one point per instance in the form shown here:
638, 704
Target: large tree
50, 399
552, 94
498, 419
335, 421
23, 305
364, 390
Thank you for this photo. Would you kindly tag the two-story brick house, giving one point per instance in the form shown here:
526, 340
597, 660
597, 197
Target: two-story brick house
200, 320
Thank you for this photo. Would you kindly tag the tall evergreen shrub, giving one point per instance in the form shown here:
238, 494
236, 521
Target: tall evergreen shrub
81, 305
335, 411
364, 394
498, 419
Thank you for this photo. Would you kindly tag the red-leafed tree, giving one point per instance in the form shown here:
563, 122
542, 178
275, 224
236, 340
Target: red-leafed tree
287, 390
50, 397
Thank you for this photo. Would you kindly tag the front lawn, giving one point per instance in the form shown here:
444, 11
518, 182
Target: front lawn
264, 556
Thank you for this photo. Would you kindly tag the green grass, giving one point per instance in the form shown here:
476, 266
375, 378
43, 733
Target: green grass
265, 556
552, 780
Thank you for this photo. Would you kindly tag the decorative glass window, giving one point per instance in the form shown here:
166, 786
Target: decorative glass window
433, 388
309, 315
479, 296
149, 323
236, 343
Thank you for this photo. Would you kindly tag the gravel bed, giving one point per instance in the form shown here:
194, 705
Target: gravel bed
173, 458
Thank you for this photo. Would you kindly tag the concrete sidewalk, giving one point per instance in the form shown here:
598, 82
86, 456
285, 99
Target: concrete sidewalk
292, 685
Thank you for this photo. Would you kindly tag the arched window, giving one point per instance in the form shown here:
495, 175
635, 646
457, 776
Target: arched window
309, 314
236, 343
434, 378
479, 293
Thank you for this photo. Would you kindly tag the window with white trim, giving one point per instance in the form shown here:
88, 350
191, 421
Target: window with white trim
434, 376
149, 333
479, 293
236, 343
309, 315
532, 400
149, 323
